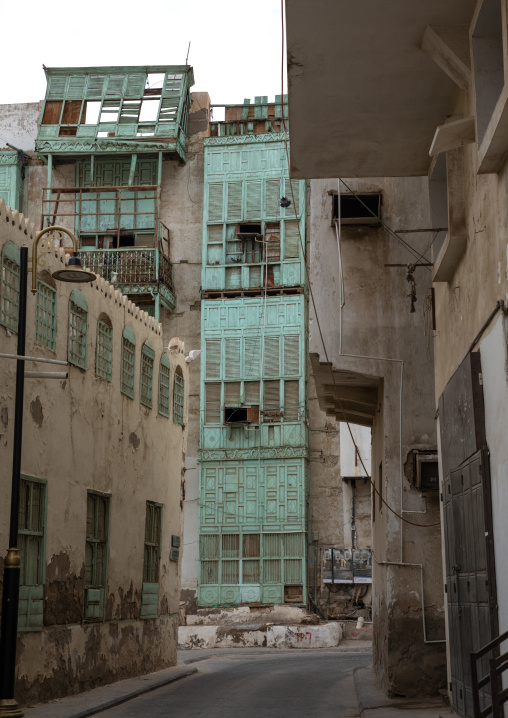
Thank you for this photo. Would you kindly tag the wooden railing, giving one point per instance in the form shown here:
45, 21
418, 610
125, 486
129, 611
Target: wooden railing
140, 265
492, 680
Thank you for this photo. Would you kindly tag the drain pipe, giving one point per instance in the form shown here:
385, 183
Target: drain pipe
413, 565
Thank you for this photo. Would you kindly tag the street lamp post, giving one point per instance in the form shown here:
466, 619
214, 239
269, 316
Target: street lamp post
10, 593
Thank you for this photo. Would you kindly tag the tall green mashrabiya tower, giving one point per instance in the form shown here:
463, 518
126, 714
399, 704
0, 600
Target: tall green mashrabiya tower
253, 429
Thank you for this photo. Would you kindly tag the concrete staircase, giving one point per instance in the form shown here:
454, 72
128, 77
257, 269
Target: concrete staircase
271, 626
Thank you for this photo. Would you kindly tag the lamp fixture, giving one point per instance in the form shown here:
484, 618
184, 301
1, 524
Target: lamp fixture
73, 272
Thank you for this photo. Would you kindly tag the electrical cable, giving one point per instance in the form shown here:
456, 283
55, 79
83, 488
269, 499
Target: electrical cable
341, 408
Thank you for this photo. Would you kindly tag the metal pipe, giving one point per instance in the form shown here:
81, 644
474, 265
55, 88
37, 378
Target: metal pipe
46, 375
10, 593
412, 565
41, 359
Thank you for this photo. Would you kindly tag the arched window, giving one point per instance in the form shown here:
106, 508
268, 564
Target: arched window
178, 396
128, 362
9, 286
78, 329
164, 384
146, 375
104, 348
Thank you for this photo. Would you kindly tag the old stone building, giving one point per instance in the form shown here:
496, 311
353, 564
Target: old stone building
181, 212
100, 521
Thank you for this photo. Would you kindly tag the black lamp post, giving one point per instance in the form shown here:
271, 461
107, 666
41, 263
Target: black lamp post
10, 592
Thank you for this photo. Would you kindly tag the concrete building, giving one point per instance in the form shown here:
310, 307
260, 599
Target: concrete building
100, 520
440, 114
375, 369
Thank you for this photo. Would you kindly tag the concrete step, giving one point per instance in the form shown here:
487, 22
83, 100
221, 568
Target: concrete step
324, 635
246, 614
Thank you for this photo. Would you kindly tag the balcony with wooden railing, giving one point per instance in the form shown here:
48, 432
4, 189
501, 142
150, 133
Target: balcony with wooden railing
119, 235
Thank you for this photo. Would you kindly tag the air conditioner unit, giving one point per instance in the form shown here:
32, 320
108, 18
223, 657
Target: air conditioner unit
357, 208
426, 475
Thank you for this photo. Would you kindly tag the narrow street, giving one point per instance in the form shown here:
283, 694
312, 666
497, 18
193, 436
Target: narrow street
254, 683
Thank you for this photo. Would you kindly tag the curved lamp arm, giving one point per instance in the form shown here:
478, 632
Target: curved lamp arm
35, 256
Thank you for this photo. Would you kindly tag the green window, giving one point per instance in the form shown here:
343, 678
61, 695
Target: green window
128, 362
104, 349
9, 286
150, 596
178, 397
96, 553
146, 374
164, 385
45, 315
78, 329
31, 537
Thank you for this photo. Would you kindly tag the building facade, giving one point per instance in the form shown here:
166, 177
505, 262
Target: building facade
253, 423
440, 115
100, 523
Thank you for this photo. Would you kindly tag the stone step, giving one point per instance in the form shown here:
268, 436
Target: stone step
324, 635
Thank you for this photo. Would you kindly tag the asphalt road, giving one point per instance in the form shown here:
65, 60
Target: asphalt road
257, 683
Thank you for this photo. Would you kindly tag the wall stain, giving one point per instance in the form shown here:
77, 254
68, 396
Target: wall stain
134, 440
63, 592
36, 411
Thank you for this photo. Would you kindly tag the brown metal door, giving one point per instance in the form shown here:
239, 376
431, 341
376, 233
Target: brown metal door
467, 514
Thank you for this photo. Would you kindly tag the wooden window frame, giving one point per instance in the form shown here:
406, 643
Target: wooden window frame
146, 375
77, 331
97, 584
179, 398
104, 351
9, 287
164, 387
128, 363
32, 594
45, 315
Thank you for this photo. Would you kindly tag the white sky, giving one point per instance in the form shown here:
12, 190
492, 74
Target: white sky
235, 47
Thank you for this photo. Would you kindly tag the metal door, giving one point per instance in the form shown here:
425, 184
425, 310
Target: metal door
467, 514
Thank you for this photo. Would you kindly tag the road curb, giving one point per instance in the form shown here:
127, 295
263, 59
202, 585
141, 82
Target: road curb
105, 697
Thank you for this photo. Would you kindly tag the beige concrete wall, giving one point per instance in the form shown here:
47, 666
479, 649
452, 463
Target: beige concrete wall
381, 339
479, 204
182, 212
81, 434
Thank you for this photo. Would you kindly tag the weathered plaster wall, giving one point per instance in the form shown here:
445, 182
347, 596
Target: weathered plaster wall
182, 212
330, 504
479, 204
381, 339
81, 434
18, 124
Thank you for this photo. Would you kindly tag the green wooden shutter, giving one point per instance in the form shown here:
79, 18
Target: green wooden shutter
291, 240
251, 390
252, 358
253, 199
291, 398
215, 202
272, 196
95, 87
271, 395
213, 356
76, 88
56, 87
232, 359
291, 355
232, 393
234, 201
292, 190
212, 403
271, 357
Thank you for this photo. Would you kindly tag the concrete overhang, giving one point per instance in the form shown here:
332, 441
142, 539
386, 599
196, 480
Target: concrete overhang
348, 396
364, 97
